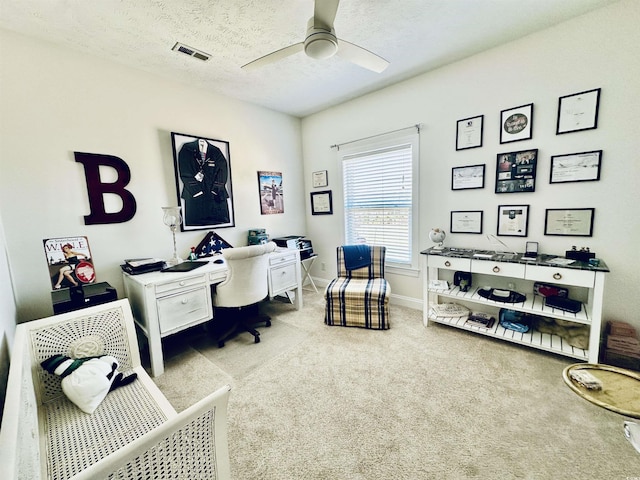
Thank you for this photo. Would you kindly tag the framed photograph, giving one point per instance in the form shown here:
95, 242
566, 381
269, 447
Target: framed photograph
469, 221
578, 111
271, 193
516, 124
576, 167
319, 179
573, 222
469, 132
464, 178
516, 171
203, 182
321, 203
513, 220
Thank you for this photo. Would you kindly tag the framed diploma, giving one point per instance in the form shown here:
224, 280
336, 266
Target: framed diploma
578, 111
319, 179
576, 167
463, 178
469, 132
321, 203
574, 222
516, 124
469, 221
513, 220
516, 171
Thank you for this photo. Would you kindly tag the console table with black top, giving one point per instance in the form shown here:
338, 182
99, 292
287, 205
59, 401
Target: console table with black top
74, 298
164, 303
508, 271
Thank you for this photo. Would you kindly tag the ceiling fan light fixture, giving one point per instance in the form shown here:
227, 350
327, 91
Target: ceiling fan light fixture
321, 45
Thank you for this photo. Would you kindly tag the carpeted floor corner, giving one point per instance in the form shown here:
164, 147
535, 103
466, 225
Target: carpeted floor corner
316, 402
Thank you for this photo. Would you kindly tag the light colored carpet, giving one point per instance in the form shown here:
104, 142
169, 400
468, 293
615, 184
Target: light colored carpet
317, 402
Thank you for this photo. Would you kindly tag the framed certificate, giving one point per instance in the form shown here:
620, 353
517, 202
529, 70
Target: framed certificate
321, 203
469, 132
576, 167
319, 179
469, 221
574, 222
463, 178
513, 220
516, 124
578, 111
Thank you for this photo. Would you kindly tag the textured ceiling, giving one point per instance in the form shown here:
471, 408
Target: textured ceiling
413, 35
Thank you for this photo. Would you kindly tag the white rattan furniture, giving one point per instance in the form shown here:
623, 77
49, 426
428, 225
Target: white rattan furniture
134, 433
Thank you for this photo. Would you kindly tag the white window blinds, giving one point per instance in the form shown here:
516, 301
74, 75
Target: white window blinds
379, 199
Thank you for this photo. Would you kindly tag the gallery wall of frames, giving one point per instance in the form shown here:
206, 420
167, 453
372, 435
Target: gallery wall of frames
515, 170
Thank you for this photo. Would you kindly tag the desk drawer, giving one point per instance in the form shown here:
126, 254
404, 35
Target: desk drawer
186, 308
501, 269
562, 276
182, 283
283, 278
282, 259
218, 276
436, 261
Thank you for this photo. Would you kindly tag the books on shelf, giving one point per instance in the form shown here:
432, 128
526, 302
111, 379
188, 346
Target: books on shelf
439, 285
480, 319
448, 310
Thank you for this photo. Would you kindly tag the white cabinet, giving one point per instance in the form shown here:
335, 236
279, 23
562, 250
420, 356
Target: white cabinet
166, 303
585, 284
284, 273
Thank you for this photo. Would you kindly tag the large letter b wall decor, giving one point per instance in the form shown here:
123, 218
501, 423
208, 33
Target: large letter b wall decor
96, 188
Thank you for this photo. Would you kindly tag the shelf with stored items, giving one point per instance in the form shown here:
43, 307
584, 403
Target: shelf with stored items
583, 281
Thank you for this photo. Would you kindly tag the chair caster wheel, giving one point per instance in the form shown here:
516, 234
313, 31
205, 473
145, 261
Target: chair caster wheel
257, 340
220, 344
268, 323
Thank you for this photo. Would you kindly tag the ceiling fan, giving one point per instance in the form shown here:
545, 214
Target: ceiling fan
321, 42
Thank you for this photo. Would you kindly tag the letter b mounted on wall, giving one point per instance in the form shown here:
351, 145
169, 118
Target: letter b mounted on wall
96, 188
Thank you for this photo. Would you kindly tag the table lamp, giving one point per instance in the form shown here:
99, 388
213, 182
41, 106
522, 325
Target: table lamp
173, 219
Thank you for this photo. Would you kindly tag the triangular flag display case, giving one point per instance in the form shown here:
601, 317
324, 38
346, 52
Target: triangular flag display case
210, 244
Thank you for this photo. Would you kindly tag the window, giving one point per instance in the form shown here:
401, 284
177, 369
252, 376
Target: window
380, 197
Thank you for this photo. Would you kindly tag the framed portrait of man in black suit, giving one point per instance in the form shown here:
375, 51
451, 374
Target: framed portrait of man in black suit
203, 181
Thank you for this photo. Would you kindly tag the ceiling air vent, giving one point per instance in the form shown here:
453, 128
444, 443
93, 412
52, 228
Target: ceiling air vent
192, 52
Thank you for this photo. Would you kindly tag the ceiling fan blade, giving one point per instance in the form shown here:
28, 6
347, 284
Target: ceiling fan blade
361, 56
274, 56
324, 13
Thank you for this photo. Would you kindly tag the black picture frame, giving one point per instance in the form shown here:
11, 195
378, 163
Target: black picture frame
467, 178
578, 111
516, 171
469, 132
569, 222
203, 185
516, 124
513, 220
466, 221
321, 203
576, 167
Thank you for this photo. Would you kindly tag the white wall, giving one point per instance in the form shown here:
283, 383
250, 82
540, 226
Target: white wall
593, 51
55, 101
7, 318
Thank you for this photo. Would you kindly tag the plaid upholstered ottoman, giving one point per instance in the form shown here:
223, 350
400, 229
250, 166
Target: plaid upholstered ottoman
359, 296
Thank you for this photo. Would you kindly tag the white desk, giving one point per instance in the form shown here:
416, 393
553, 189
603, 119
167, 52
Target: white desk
164, 303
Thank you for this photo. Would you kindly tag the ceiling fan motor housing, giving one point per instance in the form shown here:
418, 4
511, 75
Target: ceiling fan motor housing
320, 43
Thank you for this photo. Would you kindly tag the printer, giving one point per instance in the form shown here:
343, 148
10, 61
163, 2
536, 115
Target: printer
296, 241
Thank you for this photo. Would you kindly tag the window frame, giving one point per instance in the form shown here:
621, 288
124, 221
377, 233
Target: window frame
370, 146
